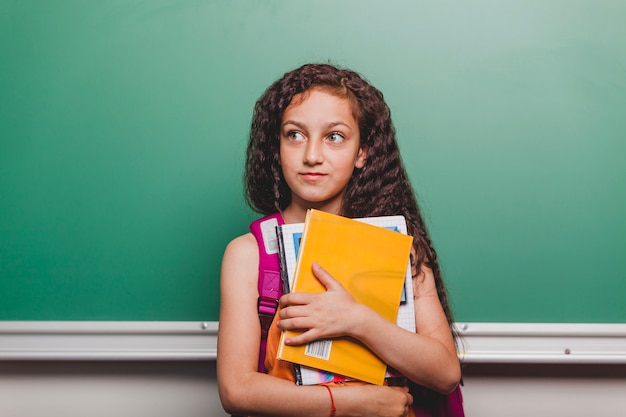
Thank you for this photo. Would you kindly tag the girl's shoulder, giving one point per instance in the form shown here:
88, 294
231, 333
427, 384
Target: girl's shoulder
242, 247
240, 266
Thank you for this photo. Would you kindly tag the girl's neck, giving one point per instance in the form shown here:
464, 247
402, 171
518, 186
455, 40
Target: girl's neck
295, 213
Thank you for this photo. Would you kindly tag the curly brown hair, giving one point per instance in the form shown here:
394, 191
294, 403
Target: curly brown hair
381, 187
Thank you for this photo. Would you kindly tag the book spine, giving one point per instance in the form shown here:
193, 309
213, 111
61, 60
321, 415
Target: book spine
284, 277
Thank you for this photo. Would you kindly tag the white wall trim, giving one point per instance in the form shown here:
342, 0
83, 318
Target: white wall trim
555, 343
165, 340
107, 340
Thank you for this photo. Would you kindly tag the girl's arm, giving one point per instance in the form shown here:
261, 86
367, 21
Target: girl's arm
243, 390
427, 357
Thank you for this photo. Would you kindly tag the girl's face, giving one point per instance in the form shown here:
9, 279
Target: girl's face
319, 149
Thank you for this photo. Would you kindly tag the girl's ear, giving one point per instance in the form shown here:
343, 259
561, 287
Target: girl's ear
361, 157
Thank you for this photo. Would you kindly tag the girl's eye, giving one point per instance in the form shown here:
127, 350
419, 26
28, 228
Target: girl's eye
336, 137
295, 135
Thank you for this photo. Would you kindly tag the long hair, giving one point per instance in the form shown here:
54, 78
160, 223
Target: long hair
381, 187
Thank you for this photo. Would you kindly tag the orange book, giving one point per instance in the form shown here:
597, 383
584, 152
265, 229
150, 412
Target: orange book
371, 263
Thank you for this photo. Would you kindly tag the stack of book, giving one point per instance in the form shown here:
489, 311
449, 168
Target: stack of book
370, 258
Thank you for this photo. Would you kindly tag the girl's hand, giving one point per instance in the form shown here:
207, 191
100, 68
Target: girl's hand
373, 400
324, 315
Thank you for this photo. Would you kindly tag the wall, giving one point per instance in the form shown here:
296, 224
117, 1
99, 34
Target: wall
188, 389
117, 119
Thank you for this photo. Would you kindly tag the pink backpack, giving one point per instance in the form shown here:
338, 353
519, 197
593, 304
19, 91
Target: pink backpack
427, 403
270, 284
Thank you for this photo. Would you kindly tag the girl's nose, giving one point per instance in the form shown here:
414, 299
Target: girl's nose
313, 153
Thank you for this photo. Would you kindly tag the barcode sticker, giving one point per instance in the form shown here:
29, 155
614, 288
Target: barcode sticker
319, 349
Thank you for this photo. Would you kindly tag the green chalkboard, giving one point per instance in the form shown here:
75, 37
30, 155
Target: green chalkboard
123, 126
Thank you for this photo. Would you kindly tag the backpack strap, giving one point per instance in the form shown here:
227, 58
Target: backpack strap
270, 284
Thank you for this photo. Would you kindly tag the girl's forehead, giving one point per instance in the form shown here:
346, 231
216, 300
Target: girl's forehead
319, 104
324, 90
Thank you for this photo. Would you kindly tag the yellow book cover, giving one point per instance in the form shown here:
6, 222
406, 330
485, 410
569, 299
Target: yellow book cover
371, 263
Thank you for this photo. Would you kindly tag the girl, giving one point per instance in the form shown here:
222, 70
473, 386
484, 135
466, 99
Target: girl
322, 138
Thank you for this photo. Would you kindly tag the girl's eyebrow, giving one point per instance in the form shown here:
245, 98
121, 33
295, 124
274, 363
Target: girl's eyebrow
295, 123
328, 125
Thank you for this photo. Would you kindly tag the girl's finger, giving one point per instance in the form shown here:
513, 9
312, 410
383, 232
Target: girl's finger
325, 278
